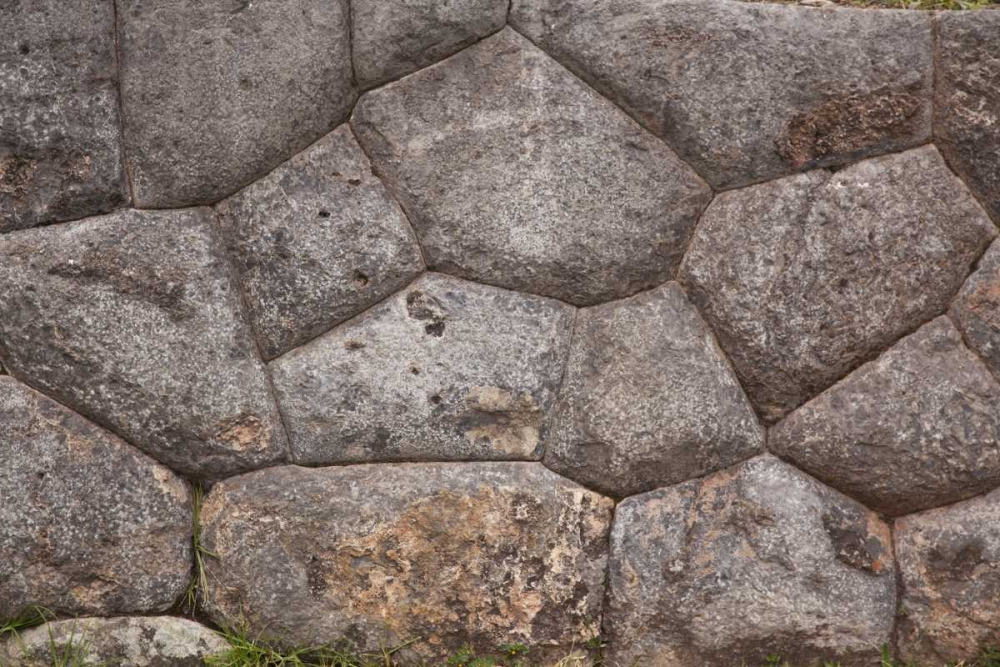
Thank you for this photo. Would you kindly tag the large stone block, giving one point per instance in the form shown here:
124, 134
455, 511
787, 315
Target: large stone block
976, 309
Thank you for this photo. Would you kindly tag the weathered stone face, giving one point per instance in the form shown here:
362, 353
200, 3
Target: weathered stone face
444, 370
88, 525
218, 92
516, 174
976, 309
823, 271
134, 320
648, 399
754, 561
317, 241
485, 553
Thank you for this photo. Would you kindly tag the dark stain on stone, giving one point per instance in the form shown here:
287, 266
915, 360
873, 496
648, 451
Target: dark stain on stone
419, 306
323, 213
953, 561
354, 345
851, 545
435, 329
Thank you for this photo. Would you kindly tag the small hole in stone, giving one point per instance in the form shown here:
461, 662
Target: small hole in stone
25, 49
354, 181
324, 214
435, 329
360, 279
414, 370
41, 475
435, 399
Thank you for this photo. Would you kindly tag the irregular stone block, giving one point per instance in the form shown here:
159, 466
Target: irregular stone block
976, 309
648, 399
87, 524
134, 320
747, 563
318, 240
486, 553
823, 271
445, 370
516, 174
216, 93
60, 133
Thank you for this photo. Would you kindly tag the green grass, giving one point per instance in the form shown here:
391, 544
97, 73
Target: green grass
29, 618
197, 590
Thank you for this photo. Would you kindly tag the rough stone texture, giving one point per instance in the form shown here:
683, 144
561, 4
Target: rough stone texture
87, 524
486, 553
161, 641
516, 174
949, 559
748, 92
60, 139
218, 92
648, 399
754, 561
445, 370
134, 320
317, 241
391, 39
976, 310
823, 271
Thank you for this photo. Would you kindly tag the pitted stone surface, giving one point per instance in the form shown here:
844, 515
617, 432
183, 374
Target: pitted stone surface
317, 241
916, 428
749, 92
648, 399
445, 370
516, 174
487, 553
823, 271
60, 140
134, 320
218, 92
750, 562
976, 309
88, 524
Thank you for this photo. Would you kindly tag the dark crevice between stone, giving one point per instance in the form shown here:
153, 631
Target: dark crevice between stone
126, 172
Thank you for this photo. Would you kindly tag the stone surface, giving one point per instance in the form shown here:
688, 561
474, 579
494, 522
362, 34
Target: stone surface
915, 428
749, 92
60, 136
317, 241
823, 271
134, 320
88, 524
486, 553
516, 174
967, 99
648, 399
216, 93
976, 309
444, 370
949, 562
391, 39
750, 562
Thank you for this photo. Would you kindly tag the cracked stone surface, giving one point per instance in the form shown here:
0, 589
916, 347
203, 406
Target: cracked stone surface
824, 271
88, 524
488, 553
648, 399
516, 174
134, 320
757, 560
444, 370
216, 93
317, 241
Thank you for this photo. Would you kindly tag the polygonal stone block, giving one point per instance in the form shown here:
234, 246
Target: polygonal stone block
976, 309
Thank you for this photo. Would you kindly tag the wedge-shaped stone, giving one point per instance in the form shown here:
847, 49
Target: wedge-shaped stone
516, 174
317, 240
914, 429
445, 370
88, 524
748, 92
60, 139
807, 277
648, 399
134, 320
976, 310
487, 553
217, 93
751, 562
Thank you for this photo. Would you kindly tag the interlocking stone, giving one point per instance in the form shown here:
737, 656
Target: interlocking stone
318, 240
750, 562
60, 138
218, 92
134, 320
648, 399
976, 310
445, 370
391, 39
823, 271
486, 553
88, 524
516, 174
